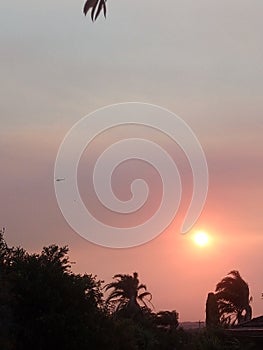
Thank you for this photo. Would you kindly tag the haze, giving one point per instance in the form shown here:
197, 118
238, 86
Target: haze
200, 59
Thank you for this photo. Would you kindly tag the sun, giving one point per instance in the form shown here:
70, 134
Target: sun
201, 238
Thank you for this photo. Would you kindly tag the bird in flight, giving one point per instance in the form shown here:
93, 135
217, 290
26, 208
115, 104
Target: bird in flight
96, 6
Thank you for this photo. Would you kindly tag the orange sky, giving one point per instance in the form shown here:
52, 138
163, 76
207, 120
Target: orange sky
176, 271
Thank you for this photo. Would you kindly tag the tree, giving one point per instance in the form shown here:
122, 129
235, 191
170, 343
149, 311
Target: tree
167, 320
96, 6
6, 299
128, 294
232, 294
212, 312
44, 305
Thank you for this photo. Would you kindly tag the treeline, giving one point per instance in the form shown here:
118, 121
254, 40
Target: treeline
44, 305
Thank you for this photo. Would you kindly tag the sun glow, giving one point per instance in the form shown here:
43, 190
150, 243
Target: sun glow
201, 238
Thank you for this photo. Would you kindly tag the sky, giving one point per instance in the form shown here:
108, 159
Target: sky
200, 59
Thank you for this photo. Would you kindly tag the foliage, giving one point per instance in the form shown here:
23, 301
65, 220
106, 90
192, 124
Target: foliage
96, 6
43, 304
128, 295
215, 339
233, 299
167, 320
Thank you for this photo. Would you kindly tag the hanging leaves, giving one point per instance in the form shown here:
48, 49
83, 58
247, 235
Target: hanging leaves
96, 6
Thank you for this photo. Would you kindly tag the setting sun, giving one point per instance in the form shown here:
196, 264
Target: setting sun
201, 238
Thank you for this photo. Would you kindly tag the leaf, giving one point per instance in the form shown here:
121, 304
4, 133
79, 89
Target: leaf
96, 7
99, 9
88, 5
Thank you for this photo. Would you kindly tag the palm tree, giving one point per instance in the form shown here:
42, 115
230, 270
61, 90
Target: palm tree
128, 294
96, 6
232, 294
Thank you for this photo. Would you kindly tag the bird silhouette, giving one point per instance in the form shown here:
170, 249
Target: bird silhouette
96, 6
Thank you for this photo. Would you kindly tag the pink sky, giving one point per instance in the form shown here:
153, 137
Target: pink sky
200, 59
177, 272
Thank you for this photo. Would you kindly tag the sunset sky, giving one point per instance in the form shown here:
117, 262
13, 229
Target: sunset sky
201, 59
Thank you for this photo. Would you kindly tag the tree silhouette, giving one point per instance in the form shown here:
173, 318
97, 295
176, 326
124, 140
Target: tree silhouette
127, 294
233, 299
167, 320
44, 305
